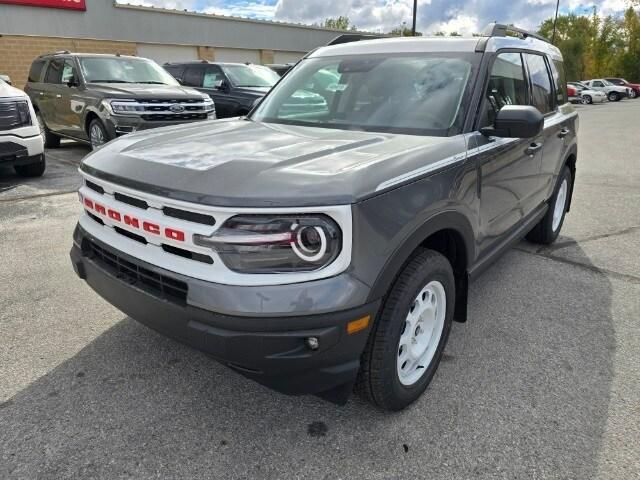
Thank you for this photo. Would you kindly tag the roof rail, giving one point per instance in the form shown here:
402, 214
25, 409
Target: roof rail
61, 52
352, 37
501, 30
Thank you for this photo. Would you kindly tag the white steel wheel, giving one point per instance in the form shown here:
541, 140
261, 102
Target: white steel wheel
421, 333
560, 205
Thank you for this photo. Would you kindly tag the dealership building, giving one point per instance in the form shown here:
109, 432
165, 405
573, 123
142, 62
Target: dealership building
29, 28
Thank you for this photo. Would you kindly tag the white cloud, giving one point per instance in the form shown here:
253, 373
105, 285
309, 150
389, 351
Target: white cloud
463, 16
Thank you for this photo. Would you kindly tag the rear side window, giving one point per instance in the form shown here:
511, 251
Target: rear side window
507, 85
541, 92
36, 70
175, 71
54, 72
192, 77
560, 81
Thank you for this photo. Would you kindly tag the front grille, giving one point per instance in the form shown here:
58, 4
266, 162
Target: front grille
189, 216
14, 114
134, 202
160, 286
162, 117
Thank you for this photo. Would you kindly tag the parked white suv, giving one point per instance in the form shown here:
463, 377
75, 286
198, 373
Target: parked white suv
580, 93
21, 143
614, 93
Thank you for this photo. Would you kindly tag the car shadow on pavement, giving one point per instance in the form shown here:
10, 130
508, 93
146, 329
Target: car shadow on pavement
522, 392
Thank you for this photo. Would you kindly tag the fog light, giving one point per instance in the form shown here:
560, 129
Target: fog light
312, 342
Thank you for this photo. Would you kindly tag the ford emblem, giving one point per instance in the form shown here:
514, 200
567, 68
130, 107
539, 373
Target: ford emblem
176, 108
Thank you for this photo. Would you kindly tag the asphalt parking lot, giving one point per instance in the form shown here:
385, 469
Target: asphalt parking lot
542, 382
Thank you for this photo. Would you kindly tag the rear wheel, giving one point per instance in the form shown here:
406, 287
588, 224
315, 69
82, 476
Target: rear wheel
405, 347
98, 134
50, 140
33, 169
614, 97
548, 229
633, 94
587, 99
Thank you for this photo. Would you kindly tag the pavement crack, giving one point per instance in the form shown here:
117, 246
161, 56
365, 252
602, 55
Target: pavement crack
39, 195
569, 243
592, 268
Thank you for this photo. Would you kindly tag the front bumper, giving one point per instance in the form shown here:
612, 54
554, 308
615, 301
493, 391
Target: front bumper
271, 350
16, 150
118, 125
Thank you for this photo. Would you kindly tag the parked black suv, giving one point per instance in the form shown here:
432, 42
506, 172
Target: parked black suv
95, 98
331, 245
234, 87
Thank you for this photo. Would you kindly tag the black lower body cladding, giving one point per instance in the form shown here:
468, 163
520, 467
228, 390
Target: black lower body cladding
273, 350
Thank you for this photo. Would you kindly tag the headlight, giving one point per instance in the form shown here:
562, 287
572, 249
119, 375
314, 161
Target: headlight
122, 107
24, 117
275, 243
209, 106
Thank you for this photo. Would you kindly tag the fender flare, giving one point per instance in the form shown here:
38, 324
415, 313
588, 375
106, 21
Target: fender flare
448, 220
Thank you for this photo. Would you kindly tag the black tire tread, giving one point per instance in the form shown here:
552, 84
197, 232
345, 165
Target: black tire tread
372, 383
543, 233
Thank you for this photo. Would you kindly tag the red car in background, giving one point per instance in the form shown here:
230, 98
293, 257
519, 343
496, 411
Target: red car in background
635, 87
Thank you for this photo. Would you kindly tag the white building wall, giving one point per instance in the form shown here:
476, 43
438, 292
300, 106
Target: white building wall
167, 53
238, 55
287, 57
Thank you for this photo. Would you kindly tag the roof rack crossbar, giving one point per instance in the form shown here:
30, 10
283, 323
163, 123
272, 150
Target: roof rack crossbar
352, 37
500, 30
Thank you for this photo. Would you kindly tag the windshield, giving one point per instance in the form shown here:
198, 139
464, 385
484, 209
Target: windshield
418, 94
251, 75
607, 83
124, 70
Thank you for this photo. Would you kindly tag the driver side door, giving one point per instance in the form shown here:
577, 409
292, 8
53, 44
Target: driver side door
508, 168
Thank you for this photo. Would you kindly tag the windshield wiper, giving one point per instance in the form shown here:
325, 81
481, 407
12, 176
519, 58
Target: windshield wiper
109, 81
152, 82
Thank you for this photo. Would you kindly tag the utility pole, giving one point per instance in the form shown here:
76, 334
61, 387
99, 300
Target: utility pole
415, 12
555, 22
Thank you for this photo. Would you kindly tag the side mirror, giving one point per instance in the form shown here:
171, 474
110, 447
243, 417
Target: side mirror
73, 82
516, 121
220, 84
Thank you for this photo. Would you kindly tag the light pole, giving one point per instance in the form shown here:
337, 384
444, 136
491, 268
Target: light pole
555, 22
415, 12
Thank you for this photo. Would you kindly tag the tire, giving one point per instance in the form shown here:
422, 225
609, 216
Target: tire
547, 230
98, 134
588, 99
614, 97
633, 94
382, 380
33, 169
50, 140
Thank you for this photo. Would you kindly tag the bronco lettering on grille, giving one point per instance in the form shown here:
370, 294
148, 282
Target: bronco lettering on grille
139, 224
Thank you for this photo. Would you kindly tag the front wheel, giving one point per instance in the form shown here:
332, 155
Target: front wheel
633, 94
587, 99
98, 134
548, 229
614, 97
405, 347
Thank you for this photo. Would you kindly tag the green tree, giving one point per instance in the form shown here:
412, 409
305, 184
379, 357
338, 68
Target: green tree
629, 59
404, 32
340, 23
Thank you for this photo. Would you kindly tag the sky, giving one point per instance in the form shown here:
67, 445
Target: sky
462, 16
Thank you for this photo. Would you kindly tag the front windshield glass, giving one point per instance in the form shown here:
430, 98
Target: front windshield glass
251, 75
418, 94
124, 70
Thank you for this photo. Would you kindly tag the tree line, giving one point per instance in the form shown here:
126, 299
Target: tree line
592, 46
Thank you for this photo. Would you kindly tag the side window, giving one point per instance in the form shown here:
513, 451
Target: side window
175, 71
68, 72
507, 85
36, 70
560, 80
192, 77
212, 77
597, 84
54, 72
541, 92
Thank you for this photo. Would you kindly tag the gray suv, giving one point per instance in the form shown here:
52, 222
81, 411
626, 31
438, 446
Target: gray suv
324, 249
95, 98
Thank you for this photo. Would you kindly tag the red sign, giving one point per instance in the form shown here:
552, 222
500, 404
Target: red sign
68, 4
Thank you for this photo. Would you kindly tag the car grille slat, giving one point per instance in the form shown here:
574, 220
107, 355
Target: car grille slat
161, 286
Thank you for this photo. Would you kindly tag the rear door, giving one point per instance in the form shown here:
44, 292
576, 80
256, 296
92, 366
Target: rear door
509, 168
70, 105
50, 92
549, 89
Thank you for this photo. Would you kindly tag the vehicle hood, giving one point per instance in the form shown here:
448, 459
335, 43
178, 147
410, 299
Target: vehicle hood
7, 91
143, 90
242, 163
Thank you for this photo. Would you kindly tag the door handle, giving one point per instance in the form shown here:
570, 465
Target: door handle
58, 96
41, 94
533, 148
564, 132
